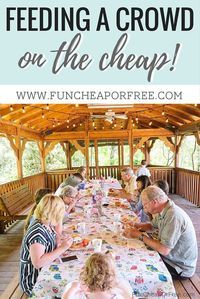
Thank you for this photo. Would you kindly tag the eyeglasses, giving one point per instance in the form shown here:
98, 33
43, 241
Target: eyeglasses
146, 203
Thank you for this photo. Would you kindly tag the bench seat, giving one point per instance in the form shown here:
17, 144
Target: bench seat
15, 205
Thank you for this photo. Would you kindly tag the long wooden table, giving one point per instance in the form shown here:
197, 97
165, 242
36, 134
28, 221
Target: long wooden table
141, 266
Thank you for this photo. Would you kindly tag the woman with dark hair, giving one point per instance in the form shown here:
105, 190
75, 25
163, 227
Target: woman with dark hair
142, 182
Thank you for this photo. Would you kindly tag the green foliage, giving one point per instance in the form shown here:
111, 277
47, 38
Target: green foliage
8, 165
108, 155
161, 155
31, 163
138, 157
56, 159
78, 159
189, 154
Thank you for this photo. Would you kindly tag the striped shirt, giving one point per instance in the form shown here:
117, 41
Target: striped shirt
36, 233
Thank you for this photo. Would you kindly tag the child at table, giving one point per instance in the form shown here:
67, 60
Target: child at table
98, 280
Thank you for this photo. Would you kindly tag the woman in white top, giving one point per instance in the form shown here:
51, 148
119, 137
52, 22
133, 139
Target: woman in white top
98, 280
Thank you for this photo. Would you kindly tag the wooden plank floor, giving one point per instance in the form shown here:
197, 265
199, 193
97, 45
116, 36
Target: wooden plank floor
11, 241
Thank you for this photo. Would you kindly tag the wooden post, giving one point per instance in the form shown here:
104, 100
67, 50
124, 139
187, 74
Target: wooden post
69, 158
122, 152
176, 152
87, 144
147, 151
42, 155
18, 148
130, 141
96, 157
119, 155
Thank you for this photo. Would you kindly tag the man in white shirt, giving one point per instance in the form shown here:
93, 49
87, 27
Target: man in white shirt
143, 170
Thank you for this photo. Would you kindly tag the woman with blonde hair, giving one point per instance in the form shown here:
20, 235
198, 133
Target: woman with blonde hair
39, 247
98, 280
38, 196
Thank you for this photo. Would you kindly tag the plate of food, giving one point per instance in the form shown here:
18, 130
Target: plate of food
79, 243
129, 219
123, 205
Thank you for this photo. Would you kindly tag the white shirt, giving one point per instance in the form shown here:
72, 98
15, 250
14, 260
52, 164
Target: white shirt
143, 171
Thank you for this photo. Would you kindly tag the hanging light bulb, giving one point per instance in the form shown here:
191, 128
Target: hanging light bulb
103, 128
167, 120
53, 125
115, 125
43, 116
67, 127
59, 123
77, 105
23, 109
47, 107
133, 125
93, 124
11, 108
68, 120
80, 124
74, 125
150, 123
195, 105
163, 112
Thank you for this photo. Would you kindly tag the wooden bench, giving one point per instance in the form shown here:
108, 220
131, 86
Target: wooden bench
15, 205
13, 290
188, 288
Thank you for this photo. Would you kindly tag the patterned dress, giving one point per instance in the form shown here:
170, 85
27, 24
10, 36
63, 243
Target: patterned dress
36, 233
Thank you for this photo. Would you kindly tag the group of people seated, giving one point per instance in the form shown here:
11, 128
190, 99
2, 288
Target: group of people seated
43, 242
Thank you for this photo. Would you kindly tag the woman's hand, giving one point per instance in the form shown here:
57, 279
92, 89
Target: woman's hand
66, 243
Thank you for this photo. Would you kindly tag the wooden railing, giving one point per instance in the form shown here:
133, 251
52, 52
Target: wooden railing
55, 178
188, 185
34, 182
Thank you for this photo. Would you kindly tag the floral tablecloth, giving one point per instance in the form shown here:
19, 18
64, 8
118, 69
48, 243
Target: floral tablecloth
142, 267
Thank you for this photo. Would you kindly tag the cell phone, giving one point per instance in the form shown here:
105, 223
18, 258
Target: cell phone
69, 258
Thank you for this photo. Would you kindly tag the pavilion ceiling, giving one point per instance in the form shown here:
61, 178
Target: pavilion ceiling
46, 119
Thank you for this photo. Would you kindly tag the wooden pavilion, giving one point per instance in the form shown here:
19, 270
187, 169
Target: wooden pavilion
80, 127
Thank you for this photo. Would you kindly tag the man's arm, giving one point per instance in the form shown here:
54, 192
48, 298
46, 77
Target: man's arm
155, 244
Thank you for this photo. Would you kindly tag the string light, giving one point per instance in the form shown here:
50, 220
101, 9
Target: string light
150, 123
47, 107
74, 125
58, 123
95, 128
68, 120
67, 127
195, 105
133, 125
163, 112
23, 109
53, 125
43, 116
93, 124
11, 108
121, 126
115, 125
80, 124
77, 105
167, 120
103, 128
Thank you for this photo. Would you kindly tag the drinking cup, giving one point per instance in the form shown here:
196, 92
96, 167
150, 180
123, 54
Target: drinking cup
97, 244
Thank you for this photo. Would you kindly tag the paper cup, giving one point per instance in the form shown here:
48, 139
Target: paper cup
97, 244
81, 228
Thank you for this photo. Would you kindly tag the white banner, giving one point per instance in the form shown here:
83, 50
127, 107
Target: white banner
100, 94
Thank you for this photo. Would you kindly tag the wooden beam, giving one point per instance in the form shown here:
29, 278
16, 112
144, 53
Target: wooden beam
189, 128
167, 143
12, 129
111, 134
197, 136
141, 143
78, 146
49, 147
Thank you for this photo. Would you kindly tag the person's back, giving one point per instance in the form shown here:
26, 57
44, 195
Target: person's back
143, 170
